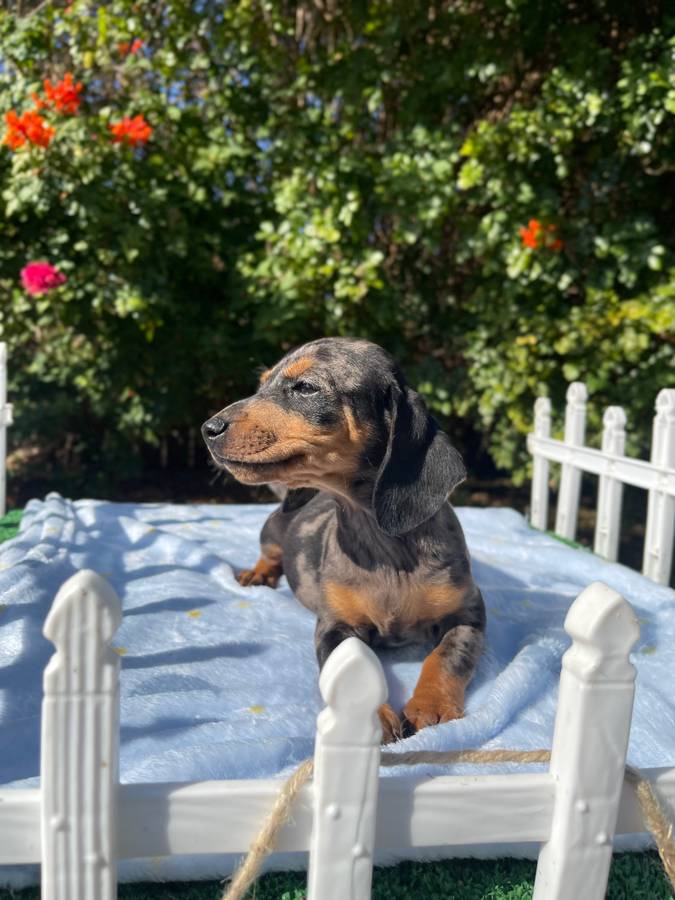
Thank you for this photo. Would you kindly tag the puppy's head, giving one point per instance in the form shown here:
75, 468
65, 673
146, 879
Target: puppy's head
337, 415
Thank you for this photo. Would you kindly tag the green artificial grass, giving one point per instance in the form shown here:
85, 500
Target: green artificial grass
9, 524
567, 541
633, 876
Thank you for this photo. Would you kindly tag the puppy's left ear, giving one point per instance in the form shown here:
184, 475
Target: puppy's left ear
420, 466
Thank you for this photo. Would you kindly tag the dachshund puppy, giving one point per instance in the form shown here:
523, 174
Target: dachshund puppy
365, 535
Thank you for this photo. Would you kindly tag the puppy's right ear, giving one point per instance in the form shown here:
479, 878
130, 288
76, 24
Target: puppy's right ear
420, 466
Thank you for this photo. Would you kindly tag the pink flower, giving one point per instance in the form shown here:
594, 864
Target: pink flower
40, 277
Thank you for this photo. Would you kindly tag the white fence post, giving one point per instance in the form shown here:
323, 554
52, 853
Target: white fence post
5, 421
539, 496
610, 489
347, 759
589, 746
570, 479
80, 741
658, 552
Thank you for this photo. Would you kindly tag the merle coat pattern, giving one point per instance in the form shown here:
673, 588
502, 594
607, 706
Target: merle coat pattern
366, 535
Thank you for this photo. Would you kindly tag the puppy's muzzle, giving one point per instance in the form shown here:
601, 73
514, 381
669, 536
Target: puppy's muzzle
238, 443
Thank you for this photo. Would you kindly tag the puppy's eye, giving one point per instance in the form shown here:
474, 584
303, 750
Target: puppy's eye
304, 388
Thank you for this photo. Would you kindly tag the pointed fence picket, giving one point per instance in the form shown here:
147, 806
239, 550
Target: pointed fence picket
81, 820
79, 745
542, 429
570, 478
610, 489
658, 552
614, 470
5, 422
588, 757
346, 765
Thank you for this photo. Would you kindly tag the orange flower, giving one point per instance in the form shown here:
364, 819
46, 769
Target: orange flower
130, 131
534, 236
125, 48
554, 243
530, 235
29, 127
64, 95
528, 238
39, 104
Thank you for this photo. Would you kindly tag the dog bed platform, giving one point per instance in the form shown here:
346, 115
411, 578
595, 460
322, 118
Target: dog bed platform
220, 681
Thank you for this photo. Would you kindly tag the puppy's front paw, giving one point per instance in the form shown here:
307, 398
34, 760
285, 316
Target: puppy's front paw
391, 724
420, 712
263, 572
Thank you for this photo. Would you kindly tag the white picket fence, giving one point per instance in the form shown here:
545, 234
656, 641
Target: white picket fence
81, 821
656, 476
5, 422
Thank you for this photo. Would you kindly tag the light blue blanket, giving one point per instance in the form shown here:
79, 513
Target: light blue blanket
220, 681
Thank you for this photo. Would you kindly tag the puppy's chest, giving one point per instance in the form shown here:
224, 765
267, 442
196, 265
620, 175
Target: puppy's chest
399, 591
399, 606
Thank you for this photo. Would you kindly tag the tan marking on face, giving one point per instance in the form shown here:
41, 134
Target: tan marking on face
438, 696
298, 367
354, 434
294, 452
264, 432
264, 376
337, 466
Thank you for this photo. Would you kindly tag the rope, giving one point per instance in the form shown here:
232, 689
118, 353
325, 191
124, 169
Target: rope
438, 757
655, 820
652, 812
263, 845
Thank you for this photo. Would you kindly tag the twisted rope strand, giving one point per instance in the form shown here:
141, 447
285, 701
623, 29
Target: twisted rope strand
656, 821
441, 757
263, 845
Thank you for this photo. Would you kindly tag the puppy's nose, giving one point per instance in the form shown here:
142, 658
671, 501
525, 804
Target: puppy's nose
214, 427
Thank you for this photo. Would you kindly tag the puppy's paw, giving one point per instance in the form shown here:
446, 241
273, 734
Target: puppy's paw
262, 573
424, 711
391, 724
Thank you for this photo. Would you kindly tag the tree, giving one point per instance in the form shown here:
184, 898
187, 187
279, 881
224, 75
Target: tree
485, 189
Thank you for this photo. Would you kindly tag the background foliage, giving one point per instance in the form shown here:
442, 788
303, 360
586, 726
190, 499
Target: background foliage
338, 168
